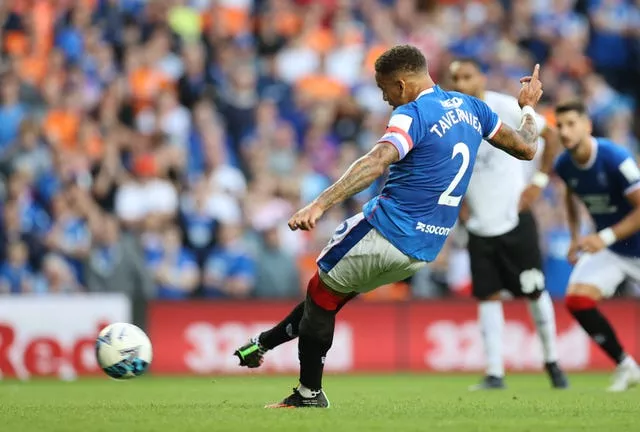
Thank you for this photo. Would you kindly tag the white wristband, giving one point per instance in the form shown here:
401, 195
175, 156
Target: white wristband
528, 110
540, 179
608, 236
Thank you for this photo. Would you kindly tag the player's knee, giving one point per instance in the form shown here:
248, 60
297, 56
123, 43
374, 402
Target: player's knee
579, 302
584, 290
323, 296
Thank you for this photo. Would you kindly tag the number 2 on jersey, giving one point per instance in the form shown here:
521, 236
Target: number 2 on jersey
446, 198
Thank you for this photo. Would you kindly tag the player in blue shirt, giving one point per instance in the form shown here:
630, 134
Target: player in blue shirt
606, 178
429, 148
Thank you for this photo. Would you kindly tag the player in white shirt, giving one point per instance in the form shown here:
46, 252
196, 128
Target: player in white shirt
503, 237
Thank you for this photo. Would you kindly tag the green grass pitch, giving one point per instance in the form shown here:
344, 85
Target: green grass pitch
359, 403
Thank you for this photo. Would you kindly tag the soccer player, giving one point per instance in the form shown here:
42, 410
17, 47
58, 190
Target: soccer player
429, 146
606, 178
503, 237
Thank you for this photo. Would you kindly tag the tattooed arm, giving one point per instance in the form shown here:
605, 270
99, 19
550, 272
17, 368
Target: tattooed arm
521, 143
360, 175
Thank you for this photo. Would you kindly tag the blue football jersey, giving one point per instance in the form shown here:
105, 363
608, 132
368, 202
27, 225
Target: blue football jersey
437, 136
602, 185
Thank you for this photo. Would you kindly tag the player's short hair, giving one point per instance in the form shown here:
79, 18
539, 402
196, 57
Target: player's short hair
472, 61
576, 105
401, 58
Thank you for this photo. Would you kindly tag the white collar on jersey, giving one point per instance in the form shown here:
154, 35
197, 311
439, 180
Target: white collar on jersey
592, 158
427, 91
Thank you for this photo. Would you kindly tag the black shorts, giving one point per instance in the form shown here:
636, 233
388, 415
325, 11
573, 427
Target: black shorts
511, 261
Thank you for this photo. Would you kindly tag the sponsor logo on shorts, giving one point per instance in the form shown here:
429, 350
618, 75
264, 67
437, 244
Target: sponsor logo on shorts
433, 229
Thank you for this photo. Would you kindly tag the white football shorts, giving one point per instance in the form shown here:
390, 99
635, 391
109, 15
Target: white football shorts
605, 270
359, 259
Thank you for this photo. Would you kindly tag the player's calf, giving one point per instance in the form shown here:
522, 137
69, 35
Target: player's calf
581, 301
543, 314
252, 354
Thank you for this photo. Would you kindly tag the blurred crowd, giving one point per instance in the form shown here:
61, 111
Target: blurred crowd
157, 147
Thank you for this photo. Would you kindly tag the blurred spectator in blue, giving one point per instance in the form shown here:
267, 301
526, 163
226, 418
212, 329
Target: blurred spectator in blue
12, 111
609, 47
619, 130
115, 262
57, 277
271, 87
198, 221
204, 118
33, 218
15, 275
50, 182
226, 183
555, 22
238, 103
162, 57
28, 153
106, 175
602, 101
70, 37
321, 146
268, 121
194, 83
230, 270
277, 274
167, 118
176, 272
70, 235
103, 66
12, 232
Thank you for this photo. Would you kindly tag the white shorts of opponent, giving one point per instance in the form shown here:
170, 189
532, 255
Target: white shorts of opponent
359, 259
605, 270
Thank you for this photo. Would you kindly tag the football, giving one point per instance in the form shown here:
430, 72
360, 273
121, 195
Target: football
123, 351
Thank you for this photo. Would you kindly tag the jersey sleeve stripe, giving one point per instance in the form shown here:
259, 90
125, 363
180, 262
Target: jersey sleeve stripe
495, 130
403, 134
397, 141
634, 187
629, 169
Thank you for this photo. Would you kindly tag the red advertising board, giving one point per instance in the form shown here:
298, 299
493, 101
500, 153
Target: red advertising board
446, 337
55, 335
200, 337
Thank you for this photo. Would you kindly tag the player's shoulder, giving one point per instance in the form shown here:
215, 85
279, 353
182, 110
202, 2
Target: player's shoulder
411, 109
403, 117
611, 151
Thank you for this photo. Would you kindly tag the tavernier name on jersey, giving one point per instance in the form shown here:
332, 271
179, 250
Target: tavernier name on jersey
437, 137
